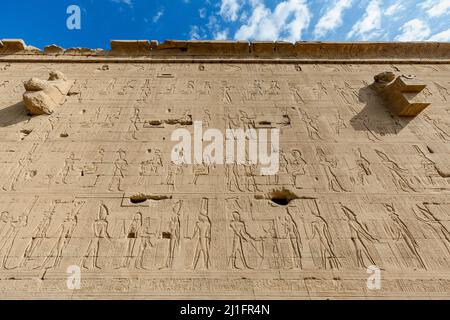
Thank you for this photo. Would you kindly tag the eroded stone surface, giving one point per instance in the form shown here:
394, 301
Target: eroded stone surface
44, 96
92, 184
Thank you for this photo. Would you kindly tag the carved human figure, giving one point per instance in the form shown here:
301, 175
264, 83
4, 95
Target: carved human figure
247, 121
9, 238
5, 220
173, 171
39, 234
363, 170
232, 121
146, 90
226, 93
339, 124
397, 172
202, 232
132, 235
443, 91
401, 234
109, 87
428, 166
206, 118
93, 167
111, 118
174, 235
135, 119
258, 88
100, 231
312, 126
329, 166
295, 93
202, 169
321, 233
361, 238
273, 235
232, 175
207, 89
68, 169
147, 241
18, 172
190, 87
249, 177
240, 235
293, 235
442, 132
274, 88
424, 214
64, 235
120, 168
297, 167
283, 166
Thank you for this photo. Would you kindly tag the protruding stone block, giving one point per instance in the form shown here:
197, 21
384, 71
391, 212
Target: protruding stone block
262, 48
403, 94
44, 96
284, 48
13, 45
53, 49
81, 51
132, 47
204, 48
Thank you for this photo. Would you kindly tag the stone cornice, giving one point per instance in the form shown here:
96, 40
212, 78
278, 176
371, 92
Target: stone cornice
238, 51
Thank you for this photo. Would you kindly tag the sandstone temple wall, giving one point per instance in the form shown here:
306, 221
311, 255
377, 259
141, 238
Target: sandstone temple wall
92, 183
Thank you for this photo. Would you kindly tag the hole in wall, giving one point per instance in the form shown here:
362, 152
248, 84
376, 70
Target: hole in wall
141, 198
24, 133
138, 199
282, 196
430, 150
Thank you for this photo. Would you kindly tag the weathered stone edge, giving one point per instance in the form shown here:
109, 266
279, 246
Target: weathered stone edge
243, 49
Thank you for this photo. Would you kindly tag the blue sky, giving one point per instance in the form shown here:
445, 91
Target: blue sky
43, 22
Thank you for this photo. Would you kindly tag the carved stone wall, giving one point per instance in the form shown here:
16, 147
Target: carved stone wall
92, 184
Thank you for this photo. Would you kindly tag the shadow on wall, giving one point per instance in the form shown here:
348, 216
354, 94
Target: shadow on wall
13, 114
375, 117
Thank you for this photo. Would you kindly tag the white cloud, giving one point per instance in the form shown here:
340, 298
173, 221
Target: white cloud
128, 2
158, 15
195, 33
202, 13
286, 22
229, 9
414, 30
370, 24
393, 9
436, 8
441, 36
221, 35
332, 19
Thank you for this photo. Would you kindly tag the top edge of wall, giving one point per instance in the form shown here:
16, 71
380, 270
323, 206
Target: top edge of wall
241, 49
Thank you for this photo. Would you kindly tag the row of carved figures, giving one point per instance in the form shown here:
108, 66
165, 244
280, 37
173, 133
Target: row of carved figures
239, 178
247, 251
